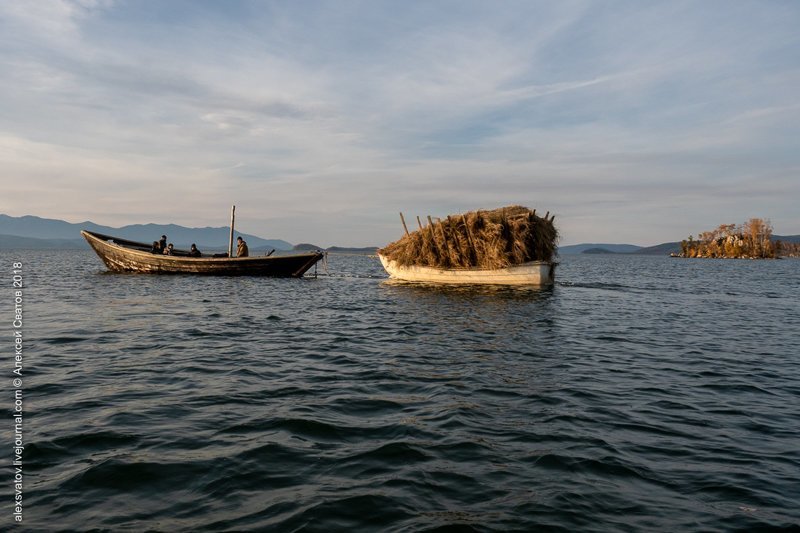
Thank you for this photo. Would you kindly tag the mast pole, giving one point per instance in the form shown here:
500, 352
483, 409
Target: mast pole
230, 241
403, 220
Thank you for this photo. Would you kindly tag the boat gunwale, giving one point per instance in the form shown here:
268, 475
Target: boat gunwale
466, 269
528, 274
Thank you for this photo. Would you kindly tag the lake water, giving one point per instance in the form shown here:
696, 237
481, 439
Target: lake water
638, 394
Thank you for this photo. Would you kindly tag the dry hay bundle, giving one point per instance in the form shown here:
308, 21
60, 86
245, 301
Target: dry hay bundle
485, 239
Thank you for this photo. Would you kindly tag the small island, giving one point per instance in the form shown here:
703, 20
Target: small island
751, 240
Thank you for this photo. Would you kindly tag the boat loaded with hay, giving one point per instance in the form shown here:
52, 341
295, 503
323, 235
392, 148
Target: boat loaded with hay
507, 246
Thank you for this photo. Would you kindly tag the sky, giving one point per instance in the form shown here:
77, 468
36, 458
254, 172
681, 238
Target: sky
632, 122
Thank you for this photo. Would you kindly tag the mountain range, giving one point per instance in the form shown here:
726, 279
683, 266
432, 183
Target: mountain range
593, 248
659, 249
32, 232
610, 248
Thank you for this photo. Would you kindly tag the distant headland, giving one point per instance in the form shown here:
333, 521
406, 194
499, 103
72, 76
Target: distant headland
32, 232
367, 250
35, 233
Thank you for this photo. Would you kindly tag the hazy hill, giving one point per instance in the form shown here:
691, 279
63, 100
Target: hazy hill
660, 249
614, 248
675, 247
32, 232
50, 230
367, 250
787, 238
305, 247
595, 251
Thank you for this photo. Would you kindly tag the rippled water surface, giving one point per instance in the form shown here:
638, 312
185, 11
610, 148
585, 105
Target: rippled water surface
638, 394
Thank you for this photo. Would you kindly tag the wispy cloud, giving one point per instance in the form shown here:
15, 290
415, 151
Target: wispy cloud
637, 122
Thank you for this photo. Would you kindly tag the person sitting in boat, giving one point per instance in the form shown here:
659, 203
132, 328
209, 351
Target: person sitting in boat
162, 244
241, 248
168, 250
194, 252
156, 248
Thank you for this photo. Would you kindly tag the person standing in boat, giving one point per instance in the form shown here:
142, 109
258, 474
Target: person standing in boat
241, 248
162, 244
194, 252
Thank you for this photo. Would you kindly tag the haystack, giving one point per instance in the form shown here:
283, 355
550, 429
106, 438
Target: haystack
478, 239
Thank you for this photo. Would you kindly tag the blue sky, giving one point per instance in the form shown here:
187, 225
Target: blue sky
638, 122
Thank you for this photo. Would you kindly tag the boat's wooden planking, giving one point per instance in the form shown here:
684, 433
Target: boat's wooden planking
120, 258
535, 273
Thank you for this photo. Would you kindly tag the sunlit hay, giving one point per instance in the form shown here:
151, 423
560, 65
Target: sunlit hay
485, 239
467, 255
428, 251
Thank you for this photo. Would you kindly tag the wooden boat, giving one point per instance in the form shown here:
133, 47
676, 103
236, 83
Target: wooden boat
506, 246
533, 273
122, 255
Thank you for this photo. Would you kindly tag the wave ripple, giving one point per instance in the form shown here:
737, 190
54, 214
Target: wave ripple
639, 394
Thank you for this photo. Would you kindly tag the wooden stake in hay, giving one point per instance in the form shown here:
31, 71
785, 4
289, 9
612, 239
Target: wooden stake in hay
479, 239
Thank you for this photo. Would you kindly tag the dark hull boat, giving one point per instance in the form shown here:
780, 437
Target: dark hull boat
121, 255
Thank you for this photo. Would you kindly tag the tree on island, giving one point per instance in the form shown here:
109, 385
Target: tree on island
752, 240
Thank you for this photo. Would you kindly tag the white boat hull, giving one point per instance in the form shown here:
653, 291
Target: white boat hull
537, 273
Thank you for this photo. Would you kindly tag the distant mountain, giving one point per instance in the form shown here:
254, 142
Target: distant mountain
787, 238
304, 247
675, 247
613, 248
597, 251
660, 249
45, 228
32, 232
32, 227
